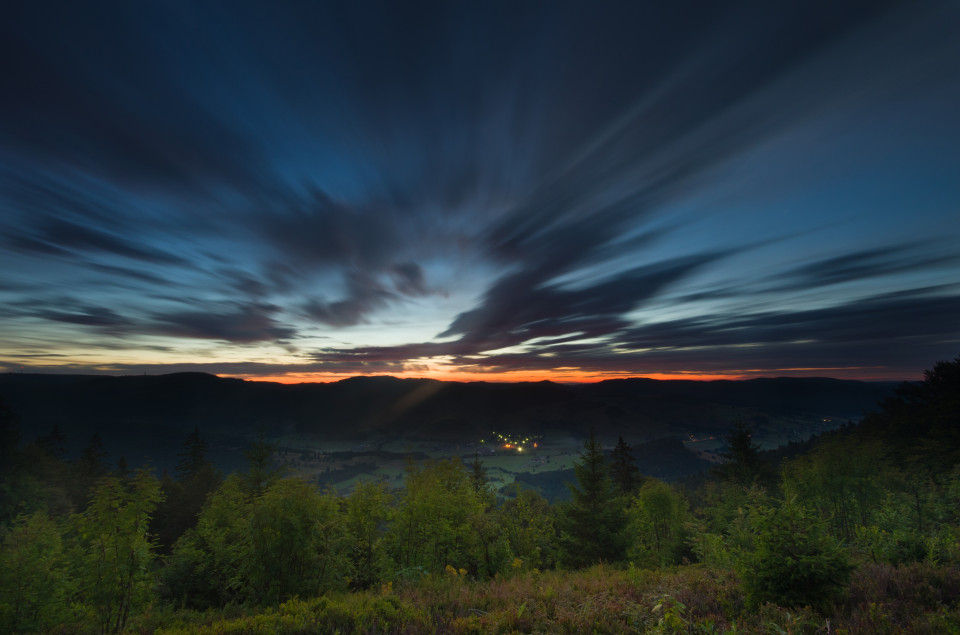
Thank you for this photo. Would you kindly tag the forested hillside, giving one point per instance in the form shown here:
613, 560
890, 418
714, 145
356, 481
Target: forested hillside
164, 408
860, 534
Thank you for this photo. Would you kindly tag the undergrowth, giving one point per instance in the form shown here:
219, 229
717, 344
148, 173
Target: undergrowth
920, 598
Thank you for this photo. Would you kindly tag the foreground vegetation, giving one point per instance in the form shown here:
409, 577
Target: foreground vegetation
861, 534
917, 598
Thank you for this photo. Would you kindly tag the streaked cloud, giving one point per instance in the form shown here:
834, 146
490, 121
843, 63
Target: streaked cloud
336, 188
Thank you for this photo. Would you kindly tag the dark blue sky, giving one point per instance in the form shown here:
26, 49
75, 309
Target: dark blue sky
516, 190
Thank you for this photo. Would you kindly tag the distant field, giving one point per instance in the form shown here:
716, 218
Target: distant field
341, 464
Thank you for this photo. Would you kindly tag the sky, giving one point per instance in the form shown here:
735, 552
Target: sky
498, 191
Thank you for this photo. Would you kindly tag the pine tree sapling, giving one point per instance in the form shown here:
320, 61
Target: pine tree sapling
796, 562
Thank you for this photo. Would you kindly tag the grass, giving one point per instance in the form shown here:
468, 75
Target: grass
916, 599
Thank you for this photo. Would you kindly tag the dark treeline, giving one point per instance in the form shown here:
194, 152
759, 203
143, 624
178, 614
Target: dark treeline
86, 546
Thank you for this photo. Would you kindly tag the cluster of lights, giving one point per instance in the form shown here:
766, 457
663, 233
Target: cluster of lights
509, 442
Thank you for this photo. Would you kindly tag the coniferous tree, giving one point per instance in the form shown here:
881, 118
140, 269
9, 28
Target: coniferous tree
12, 466
123, 468
478, 474
54, 444
261, 472
92, 463
795, 561
921, 421
185, 496
592, 523
624, 471
89, 468
743, 464
9, 435
193, 456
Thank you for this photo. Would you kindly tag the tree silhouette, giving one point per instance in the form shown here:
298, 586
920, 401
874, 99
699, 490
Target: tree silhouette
193, 456
54, 444
261, 472
9, 434
624, 471
743, 466
592, 523
478, 474
92, 463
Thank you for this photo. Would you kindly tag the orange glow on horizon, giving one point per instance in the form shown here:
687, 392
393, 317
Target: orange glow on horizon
576, 376
559, 376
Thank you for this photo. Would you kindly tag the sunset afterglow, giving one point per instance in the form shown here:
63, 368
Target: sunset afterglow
481, 191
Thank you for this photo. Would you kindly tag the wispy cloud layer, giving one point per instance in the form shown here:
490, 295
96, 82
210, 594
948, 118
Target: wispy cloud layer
333, 188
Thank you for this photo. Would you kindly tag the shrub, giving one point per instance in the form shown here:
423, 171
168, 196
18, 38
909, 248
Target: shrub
795, 563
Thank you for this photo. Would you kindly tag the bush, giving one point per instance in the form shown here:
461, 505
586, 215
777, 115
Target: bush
795, 563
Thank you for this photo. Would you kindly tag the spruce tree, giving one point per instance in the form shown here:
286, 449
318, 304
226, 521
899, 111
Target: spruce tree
9, 435
624, 471
193, 457
262, 472
592, 523
743, 465
92, 463
185, 496
478, 474
54, 444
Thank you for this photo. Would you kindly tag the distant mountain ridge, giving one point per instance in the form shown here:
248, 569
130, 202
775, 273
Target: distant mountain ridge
424, 408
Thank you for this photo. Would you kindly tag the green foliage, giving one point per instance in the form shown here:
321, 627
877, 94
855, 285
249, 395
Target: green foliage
293, 545
367, 511
527, 522
657, 526
185, 496
113, 564
795, 561
728, 527
434, 522
20, 491
920, 421
592, 523
841, 479
183, 500
478, 474
461, 562
356, 613
34, 583
289, 541
205, 568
